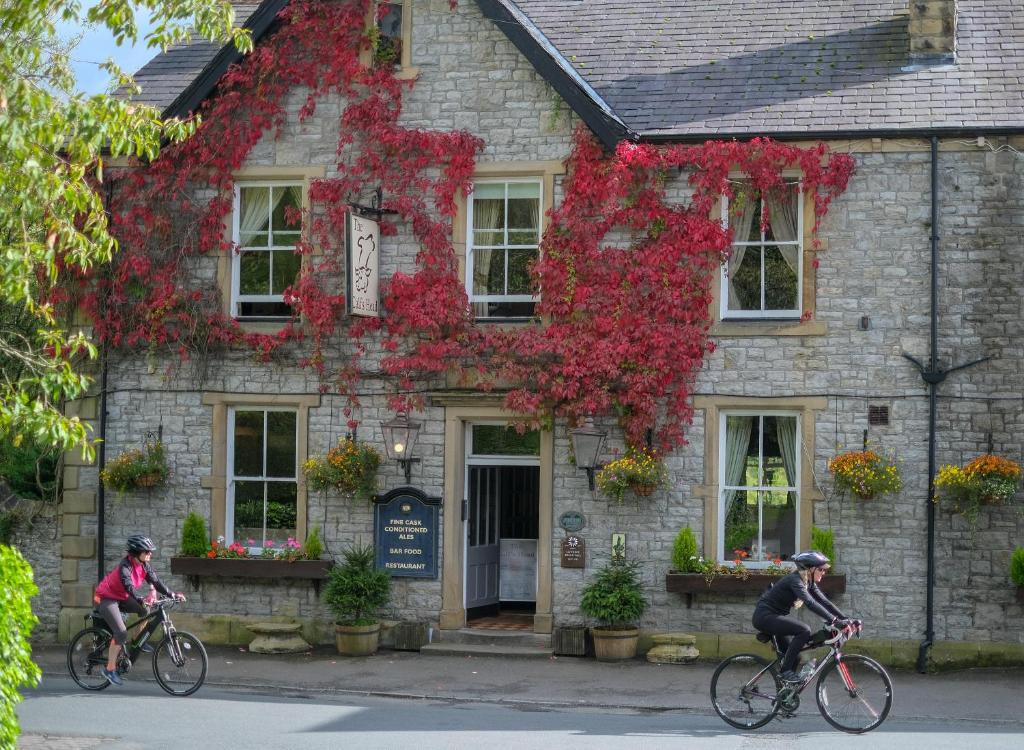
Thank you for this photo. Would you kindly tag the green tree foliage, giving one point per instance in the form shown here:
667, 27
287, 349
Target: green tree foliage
615, 597
16, 623
1017, 566
194, 540
355, 590
53, 141
684, 551
823, 540
314, 546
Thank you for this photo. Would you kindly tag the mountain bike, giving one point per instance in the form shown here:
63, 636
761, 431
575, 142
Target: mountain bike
854, 692
179, 661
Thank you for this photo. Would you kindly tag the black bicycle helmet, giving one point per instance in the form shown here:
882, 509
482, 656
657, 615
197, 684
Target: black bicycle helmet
139, 543
810, 559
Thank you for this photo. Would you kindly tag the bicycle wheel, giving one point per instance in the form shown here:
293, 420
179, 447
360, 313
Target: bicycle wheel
179, 664
87, 656
854, 694
743, 691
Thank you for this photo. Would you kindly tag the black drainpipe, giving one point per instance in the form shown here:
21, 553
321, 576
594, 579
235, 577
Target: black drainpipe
932, 378
933, 375
101, 458
101, 499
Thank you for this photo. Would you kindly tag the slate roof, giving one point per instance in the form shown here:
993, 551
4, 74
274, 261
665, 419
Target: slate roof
168, 74
674, 68
693, 69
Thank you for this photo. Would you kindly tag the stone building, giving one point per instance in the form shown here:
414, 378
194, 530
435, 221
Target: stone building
927, 99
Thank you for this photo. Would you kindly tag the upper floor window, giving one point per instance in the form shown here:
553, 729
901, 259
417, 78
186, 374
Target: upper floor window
764, 275
759, 493
266, 227
390, 40
502, 241
262, 499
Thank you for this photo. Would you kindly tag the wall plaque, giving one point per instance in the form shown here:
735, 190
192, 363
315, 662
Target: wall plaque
572, 521
405, 533
574, 552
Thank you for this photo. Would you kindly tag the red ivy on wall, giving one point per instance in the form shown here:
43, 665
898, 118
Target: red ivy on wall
625, 270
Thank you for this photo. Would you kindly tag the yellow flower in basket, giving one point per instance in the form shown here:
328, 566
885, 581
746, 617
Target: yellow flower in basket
640, 470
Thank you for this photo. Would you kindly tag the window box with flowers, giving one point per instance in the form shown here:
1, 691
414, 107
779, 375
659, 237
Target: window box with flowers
865, 474
137, 469
986, 480
692, 574
350, 467
641, 470
287, 560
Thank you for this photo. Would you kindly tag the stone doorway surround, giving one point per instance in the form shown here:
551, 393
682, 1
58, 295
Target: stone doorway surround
459, 411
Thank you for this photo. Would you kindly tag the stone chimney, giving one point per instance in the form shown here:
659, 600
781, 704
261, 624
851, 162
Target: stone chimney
932, 32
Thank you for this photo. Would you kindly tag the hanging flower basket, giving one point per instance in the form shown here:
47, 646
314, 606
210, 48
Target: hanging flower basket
986, 480
135, 469
349, 467
642, 489
641, 470
865, 474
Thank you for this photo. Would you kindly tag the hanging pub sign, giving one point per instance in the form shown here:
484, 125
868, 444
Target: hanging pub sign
363, 266
405, 524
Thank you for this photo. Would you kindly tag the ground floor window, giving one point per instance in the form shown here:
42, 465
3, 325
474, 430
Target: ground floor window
262, 491
759, 502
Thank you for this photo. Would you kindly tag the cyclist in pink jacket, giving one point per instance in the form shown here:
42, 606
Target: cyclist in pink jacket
121, 591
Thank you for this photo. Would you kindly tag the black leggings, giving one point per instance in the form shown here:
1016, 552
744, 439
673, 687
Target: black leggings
111, 610
793, 634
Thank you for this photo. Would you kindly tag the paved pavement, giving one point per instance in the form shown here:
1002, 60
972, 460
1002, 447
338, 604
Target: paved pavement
567, 682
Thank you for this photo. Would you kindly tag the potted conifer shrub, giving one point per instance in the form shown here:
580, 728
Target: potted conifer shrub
354, 593
616, 600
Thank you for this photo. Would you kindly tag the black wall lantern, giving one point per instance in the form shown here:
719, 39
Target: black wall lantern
400, 436
587, 446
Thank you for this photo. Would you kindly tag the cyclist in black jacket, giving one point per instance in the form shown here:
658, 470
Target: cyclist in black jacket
794, 590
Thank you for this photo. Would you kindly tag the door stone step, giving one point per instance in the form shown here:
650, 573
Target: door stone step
483, 649
497, 638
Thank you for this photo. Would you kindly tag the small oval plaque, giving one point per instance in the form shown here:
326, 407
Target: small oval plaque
571, 521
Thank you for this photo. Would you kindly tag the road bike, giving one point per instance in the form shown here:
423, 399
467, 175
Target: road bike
854, 692
179, 660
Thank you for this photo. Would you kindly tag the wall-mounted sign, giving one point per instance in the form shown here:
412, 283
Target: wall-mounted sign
574, 552
518, 565
405, 523
572, 521
618, 547
363, 266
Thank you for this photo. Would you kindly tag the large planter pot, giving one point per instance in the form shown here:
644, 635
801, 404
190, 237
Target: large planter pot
690, 584
357, 640
615, 645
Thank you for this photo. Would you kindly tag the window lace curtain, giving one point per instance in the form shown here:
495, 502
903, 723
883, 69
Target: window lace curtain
740, 221
785, 433
783, 215
254, 216
485, 216
737, 444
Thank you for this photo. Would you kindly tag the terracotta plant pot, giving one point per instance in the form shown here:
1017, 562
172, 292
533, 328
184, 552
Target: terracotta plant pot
357, 640
615, 645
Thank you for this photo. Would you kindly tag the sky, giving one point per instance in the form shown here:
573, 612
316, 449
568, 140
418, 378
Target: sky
97, 46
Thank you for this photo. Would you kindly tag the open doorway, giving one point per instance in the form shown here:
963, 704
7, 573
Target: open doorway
502, 527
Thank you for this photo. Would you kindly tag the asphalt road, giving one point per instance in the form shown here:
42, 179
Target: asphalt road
60, 716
